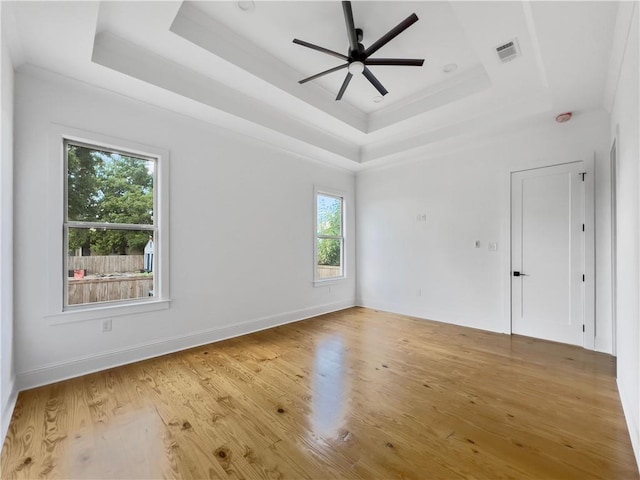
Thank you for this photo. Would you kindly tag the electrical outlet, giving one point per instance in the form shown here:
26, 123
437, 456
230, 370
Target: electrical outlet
476, 244
493, 247
106, 326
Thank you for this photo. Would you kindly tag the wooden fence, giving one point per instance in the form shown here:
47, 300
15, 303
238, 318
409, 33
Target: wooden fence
92, 290
326, 271
107, 263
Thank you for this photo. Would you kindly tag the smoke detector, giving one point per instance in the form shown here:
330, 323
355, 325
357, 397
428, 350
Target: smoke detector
564, 117
508, 51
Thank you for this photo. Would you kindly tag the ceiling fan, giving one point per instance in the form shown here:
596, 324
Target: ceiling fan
358, 57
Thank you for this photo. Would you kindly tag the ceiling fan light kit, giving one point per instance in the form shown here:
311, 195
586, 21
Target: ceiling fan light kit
358, 57
355, 67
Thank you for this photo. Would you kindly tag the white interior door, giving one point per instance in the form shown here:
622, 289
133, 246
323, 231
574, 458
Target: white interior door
547, 253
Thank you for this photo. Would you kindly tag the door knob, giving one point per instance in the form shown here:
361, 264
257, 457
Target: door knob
518, 274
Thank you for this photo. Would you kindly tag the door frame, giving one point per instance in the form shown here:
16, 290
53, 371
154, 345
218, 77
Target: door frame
613, 158
588, 339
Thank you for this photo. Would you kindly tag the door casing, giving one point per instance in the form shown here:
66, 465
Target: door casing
613, 156
589, 248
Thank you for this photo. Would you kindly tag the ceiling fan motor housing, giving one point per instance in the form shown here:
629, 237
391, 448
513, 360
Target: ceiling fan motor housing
353, 54
357, 55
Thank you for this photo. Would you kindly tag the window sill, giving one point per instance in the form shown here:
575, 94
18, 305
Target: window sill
108, 311
329, 281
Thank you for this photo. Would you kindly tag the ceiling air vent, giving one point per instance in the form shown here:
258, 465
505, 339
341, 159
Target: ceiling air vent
508, 51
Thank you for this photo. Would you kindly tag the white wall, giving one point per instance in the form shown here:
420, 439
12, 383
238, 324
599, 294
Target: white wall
7, 371
431, 269
624, 119
241, 229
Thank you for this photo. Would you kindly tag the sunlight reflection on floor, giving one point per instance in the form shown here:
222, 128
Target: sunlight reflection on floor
330, 389
128, 446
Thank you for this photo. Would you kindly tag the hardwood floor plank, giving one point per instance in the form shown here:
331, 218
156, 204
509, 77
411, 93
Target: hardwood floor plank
353, 394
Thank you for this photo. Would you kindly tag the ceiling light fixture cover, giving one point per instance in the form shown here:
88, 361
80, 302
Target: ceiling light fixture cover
246, 5
450, 67
357, 57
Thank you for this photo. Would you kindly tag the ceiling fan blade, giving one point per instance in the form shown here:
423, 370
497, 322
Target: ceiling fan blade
331, 70
347, 79
374, 81
320, 49
351, 28
408, 62
391, 34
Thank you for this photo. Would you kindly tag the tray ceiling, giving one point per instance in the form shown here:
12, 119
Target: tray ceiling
239, 69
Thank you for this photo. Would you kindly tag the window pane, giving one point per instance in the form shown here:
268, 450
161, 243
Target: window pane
329, 221
108, 187
329, 257
109, 265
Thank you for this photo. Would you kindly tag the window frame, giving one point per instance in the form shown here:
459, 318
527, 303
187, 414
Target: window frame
329, 192
57, 310
68, 224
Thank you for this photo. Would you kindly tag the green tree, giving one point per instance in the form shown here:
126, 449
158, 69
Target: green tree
329, 223
82, 183
109, 188
82, 189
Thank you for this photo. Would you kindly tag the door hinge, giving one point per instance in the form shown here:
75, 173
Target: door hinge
583, 277
583, 227
582, 174
583, 327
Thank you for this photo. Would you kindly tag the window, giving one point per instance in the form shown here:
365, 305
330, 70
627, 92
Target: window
110, 226
329, 250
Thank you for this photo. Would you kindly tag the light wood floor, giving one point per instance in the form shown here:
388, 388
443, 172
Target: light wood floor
354, 394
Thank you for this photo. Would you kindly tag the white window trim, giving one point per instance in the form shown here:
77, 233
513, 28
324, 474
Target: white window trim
333, 193
56, 178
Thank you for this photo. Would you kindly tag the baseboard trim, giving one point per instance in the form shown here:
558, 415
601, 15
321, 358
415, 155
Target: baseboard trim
402, 309
7, 411
634, 432
55, 372
442, 317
